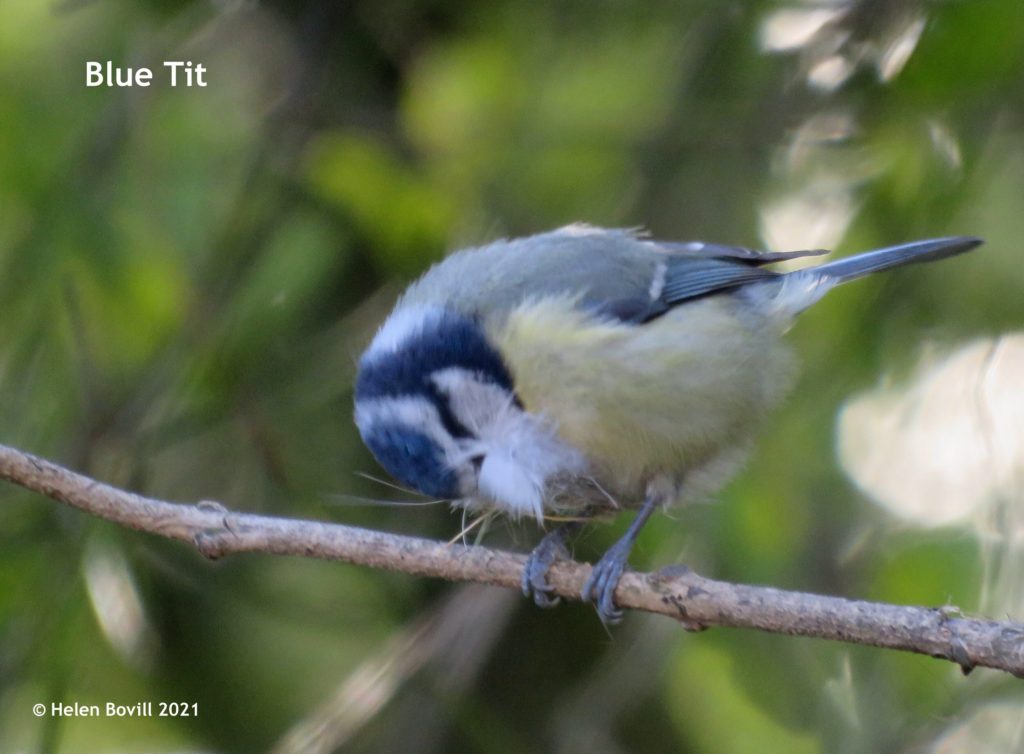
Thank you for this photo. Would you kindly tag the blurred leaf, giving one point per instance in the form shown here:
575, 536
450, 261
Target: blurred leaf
967, 50
399, 211
714, 715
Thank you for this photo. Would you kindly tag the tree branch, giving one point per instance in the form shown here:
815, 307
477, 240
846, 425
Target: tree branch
675, 591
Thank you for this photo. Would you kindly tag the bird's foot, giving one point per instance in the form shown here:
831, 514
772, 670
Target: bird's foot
604, 578
605, 575
535, 573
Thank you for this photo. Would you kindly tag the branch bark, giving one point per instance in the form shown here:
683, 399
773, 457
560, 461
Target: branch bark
677, 592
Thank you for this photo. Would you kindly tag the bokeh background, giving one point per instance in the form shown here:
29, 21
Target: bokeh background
188, 275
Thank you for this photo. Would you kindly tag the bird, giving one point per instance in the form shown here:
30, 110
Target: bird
583, 371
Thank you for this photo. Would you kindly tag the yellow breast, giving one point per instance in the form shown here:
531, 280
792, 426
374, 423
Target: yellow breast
671, 397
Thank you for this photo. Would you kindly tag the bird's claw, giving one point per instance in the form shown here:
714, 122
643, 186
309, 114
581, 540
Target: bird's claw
535, 582
604, 578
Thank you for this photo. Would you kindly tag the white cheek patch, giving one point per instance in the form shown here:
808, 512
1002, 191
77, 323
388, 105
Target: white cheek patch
521, 450
478, 405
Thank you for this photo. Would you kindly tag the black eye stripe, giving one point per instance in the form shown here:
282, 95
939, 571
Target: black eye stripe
444, 410
450, 341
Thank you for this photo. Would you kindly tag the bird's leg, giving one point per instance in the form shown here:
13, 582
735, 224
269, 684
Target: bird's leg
548, 550
600, 587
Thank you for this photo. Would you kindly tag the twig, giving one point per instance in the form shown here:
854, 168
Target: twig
676, 591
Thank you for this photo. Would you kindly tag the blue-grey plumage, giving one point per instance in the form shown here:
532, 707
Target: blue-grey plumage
587, 369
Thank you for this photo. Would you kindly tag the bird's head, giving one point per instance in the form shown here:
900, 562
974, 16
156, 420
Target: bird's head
435, 403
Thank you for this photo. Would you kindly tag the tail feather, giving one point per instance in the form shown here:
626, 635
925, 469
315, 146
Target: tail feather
859, 265
802, 288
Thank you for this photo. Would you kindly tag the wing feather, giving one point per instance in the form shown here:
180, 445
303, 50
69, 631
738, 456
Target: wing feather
721, 251
688, 278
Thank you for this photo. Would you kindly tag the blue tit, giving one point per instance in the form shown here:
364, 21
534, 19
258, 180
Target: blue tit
585, 370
